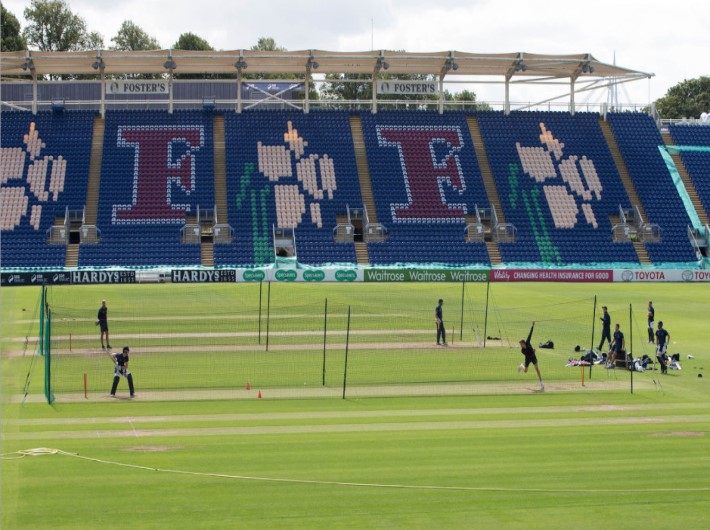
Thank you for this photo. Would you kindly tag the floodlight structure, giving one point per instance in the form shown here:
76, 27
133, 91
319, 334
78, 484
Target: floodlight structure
381, 64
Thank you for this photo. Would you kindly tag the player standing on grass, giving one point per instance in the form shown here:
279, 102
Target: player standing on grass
440, 329
530, 357
120, 361
651, 318
102, 322
617, 347
663, 338
606, 328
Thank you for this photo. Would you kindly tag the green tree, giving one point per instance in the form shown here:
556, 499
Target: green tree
12, 39
52, 26
190, 41
466, 100
131, 38
688, 99
348, 87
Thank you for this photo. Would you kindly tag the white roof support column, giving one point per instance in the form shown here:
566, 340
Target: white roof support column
307, 88
571, 95
373, 108
240, 65
239, 91
102, 106
34, 92
441, 94
506, 106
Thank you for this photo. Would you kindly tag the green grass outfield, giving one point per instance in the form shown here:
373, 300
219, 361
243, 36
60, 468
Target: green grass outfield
582, 457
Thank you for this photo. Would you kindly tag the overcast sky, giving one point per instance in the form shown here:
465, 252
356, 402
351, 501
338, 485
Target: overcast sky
668, 39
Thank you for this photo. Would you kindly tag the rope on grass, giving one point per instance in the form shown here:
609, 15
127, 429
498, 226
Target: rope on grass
43, 451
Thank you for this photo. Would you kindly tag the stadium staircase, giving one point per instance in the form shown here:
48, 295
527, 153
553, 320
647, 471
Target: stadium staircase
639, 246
220, 188
687, 181
92, 191
363, 171
491, 190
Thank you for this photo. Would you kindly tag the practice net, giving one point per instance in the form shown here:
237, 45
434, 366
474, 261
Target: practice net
244, 340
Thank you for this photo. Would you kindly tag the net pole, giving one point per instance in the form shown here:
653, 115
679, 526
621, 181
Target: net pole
631, 347
463, 288
48, 359
268, 313
260, 285
42, 309
594, 321
325, 335
485, 319
347, 343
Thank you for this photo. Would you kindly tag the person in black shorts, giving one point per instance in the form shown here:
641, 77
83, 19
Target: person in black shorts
440, 329
102, 322
120, 361
606, 328
617, 349
530, 357
663, 338
651, 318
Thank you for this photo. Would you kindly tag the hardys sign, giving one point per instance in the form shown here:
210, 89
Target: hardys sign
426, 275
203, 276
79, 277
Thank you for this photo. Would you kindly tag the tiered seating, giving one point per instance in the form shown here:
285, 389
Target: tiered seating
157, 169
697, 163
425, 179
288, 170
44, 166
577, 174
638, 139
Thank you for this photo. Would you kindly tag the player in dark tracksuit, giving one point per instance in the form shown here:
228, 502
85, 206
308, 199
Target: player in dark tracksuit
440, 329
651, 318
102, 322
121, 369
606, 328
530, 357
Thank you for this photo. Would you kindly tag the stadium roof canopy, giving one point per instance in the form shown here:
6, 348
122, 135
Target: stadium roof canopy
447, 63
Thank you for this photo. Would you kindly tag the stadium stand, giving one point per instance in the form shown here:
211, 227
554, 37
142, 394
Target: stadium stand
44, 164
558, 185
696, 162
157, 169
639, 139
425, 181
293, 171
554, 173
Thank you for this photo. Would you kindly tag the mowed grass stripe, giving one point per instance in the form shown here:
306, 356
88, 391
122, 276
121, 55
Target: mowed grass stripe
557, 423
195, 418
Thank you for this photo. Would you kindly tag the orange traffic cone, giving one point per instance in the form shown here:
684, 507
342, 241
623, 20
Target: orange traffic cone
248, 386
259, 394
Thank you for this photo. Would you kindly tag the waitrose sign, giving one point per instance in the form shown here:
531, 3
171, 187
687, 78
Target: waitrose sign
425, 275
